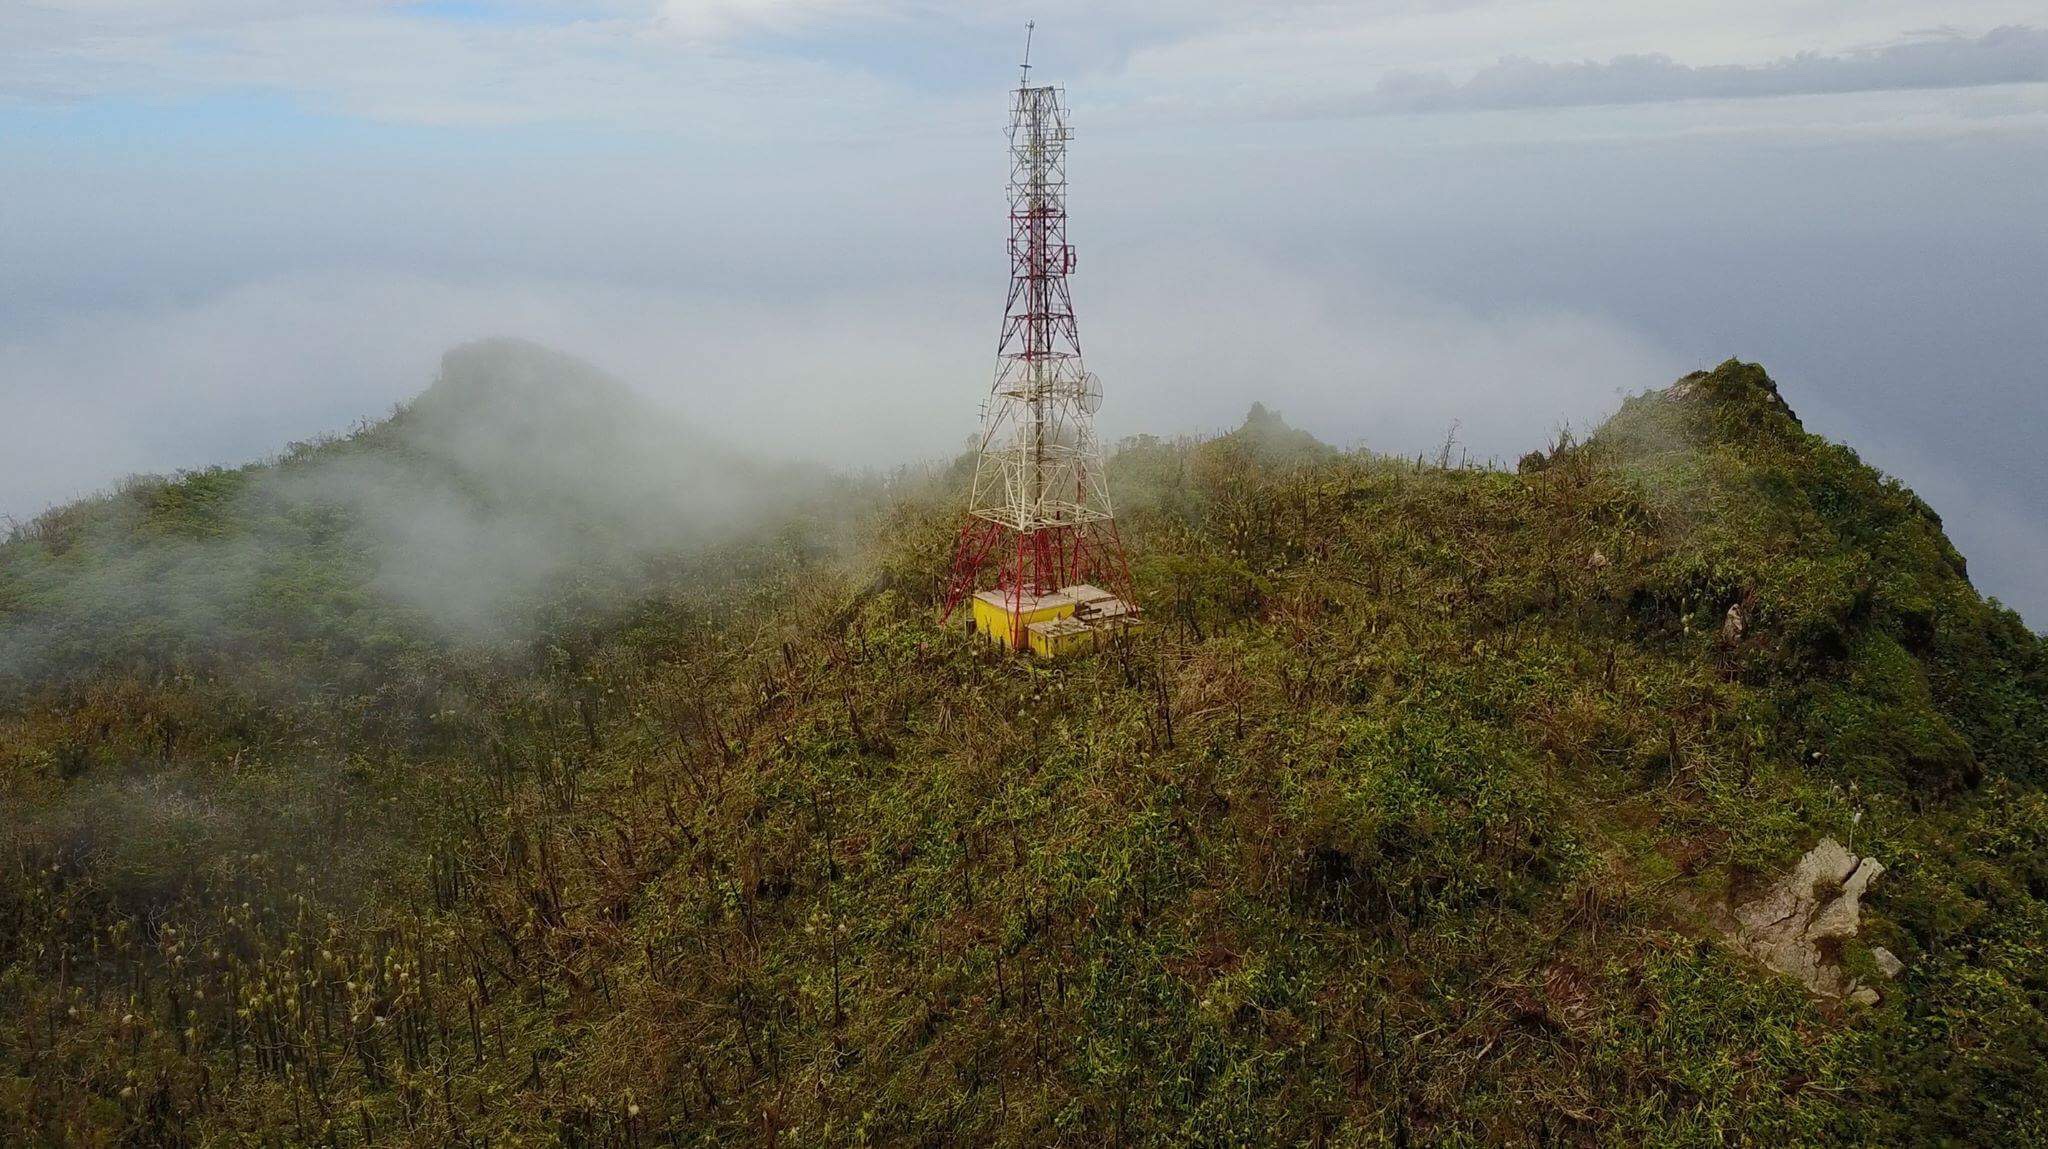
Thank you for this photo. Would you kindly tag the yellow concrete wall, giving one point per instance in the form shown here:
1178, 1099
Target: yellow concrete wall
1053, 646
993, 622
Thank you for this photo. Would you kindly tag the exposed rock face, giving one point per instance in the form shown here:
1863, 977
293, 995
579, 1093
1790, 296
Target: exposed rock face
1819, 902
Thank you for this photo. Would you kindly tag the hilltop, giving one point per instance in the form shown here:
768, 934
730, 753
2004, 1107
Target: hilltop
498, 497
1420, 813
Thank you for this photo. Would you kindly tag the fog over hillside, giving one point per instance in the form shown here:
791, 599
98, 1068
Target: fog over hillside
518, 473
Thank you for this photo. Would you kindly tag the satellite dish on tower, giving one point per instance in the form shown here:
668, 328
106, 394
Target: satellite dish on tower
1089, 394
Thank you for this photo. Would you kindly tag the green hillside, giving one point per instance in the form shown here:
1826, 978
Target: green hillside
482, 778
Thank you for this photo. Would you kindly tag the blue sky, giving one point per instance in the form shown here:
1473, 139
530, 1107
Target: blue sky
233, 223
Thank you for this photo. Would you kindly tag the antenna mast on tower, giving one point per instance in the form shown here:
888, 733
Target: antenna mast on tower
1039, 509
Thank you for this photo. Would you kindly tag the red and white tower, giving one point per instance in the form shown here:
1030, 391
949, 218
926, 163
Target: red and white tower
1040, 511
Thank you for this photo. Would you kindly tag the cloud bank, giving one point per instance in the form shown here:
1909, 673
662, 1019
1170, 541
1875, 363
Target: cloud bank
2009, 55
730, 69
855, 378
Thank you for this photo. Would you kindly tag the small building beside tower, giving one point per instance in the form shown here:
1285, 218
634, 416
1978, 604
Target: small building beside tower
1071, 620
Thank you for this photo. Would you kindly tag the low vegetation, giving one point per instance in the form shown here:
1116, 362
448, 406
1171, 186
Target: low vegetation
1412, 818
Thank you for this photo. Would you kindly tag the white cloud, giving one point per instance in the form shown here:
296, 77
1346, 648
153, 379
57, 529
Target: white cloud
1197, 333
864, 377
714, 20
734, 68
2011, 55
382, 62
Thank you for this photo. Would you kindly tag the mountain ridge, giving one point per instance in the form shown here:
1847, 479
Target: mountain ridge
1416, 815
516, 472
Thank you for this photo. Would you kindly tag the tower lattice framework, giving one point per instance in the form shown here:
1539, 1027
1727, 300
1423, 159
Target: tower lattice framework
1040, 510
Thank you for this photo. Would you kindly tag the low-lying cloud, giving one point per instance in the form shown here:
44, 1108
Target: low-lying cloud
852, 379
475, 511
520, 466
1186, 337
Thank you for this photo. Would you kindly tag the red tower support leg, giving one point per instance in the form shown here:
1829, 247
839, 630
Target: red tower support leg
977, 537
1041, 562
1119, 575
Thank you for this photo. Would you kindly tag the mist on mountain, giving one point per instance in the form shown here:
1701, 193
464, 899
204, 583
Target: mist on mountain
520, 471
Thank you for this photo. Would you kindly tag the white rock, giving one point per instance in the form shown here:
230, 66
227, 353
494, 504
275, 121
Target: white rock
1820, 900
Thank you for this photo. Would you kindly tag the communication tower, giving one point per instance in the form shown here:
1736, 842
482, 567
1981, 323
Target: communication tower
1039, 511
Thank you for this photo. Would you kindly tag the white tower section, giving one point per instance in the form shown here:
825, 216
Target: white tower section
1040, 465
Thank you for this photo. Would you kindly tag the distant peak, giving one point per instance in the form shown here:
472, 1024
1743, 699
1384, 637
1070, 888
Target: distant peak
1272, 439
520, 368
1736, 384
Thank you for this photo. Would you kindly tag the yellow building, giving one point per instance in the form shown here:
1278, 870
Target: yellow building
1057, 636
994, 621
1070, 621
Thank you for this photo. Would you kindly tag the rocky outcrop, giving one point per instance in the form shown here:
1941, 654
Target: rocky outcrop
1798, 926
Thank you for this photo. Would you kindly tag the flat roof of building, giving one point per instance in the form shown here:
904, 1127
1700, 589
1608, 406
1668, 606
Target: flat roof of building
1030, 602
1085, 592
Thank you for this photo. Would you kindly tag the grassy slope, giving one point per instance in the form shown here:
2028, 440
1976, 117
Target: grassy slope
1407, 822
